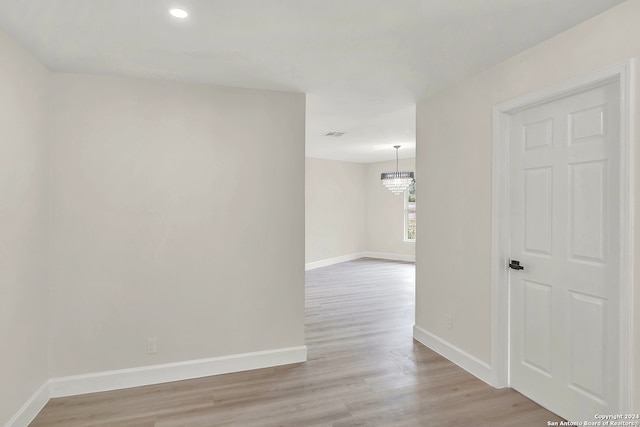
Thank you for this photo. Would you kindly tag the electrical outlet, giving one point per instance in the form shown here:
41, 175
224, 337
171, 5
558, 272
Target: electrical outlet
152, 345
449, 319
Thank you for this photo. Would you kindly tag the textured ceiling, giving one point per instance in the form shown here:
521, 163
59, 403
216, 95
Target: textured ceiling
362, 63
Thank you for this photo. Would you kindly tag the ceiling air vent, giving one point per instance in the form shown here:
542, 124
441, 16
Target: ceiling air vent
334, 134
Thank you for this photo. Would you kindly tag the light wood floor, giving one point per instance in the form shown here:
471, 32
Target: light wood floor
364, 369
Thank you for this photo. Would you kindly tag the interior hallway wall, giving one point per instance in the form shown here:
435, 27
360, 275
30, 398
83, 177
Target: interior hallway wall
177, 213
454, 137
24, 292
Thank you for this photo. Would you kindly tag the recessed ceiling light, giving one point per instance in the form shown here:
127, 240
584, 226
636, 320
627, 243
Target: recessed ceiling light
179, 13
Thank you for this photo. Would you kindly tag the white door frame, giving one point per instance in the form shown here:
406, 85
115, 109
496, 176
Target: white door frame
624, 73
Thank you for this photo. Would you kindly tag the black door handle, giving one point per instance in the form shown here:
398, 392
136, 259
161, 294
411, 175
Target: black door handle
515, 265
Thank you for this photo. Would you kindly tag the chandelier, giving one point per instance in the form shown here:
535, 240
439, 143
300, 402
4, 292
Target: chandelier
396, 182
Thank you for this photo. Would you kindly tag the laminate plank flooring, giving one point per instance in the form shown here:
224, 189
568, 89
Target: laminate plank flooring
363, 369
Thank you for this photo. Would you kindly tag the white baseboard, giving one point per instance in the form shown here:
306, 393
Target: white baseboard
389, 256
31, 408
350, 257
155, 374
466, 361
330, 261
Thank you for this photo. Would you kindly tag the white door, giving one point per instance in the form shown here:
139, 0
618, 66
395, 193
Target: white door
565, 228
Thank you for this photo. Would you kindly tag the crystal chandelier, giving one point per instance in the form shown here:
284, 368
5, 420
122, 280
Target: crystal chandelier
396, 182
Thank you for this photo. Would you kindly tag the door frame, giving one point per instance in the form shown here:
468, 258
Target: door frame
500, 217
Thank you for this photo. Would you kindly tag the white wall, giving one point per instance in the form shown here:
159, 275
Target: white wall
177, 213
454, 160
385, 211
23, 240
349, 212
336, 208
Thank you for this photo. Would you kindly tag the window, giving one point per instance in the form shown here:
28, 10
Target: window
410, 213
